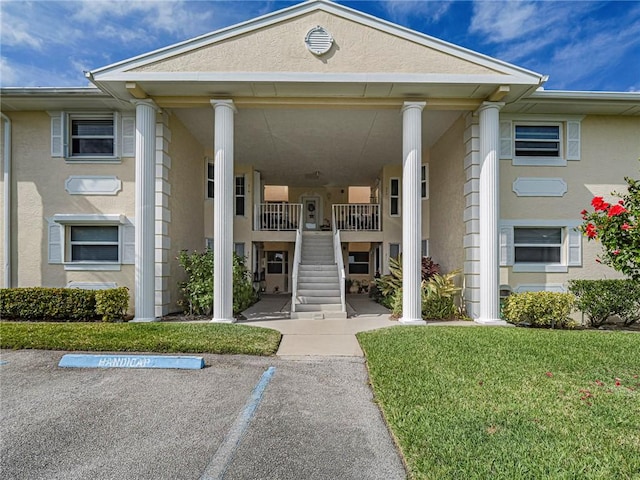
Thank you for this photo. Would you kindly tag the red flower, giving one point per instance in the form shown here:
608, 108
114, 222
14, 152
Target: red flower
598, 260
616, 210
591, 230
599, 204
625, 226
549, 374
616, 251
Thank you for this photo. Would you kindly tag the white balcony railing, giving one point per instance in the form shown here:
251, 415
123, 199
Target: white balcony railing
357, 216
277, 216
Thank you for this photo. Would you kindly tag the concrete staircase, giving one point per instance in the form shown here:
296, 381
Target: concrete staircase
318, 292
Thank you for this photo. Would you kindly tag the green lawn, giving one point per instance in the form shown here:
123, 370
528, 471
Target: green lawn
140, 337
510, 403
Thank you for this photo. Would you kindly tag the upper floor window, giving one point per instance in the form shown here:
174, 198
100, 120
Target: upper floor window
210, 180
394, 197
92, 137
537, 141
240, 195
540, 140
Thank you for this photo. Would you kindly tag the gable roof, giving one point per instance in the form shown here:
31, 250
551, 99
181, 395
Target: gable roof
179, 62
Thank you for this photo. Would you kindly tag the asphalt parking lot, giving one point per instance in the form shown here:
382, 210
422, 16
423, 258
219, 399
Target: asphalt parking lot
315, 420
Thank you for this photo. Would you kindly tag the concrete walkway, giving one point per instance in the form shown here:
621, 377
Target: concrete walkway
326, 337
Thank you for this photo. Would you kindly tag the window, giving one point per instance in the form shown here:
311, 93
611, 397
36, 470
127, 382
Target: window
537, 141
239, 249
537, 245
394, 197
540, 245
394, 250
424, 248
359, 263
424, 182
277, 262
540, 140
92, 136
240, 195
210, 180
93, 243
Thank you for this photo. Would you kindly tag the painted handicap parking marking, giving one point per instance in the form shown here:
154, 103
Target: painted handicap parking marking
131, 361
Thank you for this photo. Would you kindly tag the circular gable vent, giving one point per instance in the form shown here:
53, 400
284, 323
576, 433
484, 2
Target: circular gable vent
318, 40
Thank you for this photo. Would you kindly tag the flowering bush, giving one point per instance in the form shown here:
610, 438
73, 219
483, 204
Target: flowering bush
617, 227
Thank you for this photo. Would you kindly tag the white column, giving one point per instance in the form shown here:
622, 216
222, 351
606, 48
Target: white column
489, 213
145, 211
223, 211
411, 213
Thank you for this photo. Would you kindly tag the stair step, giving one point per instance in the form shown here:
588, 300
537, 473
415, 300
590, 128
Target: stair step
319, 292
306, 300
316, 284
318, 307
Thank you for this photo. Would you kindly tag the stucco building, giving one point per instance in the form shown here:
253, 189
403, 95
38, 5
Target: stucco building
318, 142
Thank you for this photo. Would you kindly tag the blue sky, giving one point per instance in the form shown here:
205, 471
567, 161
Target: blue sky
581, 45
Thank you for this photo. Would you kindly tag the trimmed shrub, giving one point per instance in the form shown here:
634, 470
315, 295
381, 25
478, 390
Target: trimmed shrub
540, 309
602, 299
42, 303
437, 302
112, 304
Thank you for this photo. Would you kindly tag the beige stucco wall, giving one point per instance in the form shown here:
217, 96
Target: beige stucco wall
446, 194
610, 148
187, 180
39, 193
281, 48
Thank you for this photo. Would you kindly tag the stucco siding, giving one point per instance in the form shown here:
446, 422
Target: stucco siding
187, 181
610, 149
446, 193
281, 48
39, 193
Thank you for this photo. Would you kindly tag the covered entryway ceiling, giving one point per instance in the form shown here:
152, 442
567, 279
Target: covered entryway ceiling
316, 147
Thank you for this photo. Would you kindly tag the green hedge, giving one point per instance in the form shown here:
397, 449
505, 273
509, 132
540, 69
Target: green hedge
63, 304
602, 299
540, 309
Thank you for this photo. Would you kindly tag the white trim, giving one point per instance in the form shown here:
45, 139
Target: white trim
513, 74
306, 77
93, 185
540, 267
541, 117
540, 223
92, 285
89, 266
539, 187
89, 219
540, 287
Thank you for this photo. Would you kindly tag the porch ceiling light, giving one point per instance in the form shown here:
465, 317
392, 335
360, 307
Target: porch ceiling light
318, 40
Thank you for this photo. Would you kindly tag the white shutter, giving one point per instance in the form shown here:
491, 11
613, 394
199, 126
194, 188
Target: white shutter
57, 134
128, 244
506, 140
506, 246
573, 140
575, 247
56, 235
128, 139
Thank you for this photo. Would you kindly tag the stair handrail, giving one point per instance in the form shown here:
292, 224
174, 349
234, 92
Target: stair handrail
297, 254
337, 253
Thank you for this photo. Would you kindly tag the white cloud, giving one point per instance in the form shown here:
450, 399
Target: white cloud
401, 11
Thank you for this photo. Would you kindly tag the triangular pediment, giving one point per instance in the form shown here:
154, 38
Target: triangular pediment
275, 44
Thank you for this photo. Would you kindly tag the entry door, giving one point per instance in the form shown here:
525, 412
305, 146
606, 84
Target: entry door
311, 213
